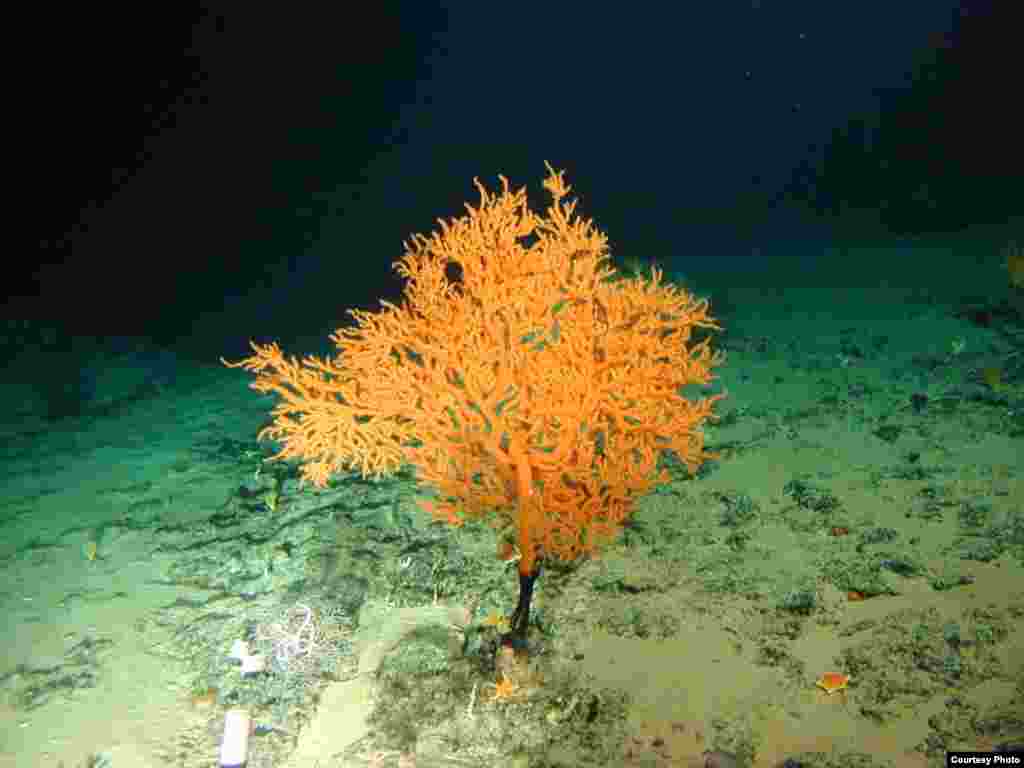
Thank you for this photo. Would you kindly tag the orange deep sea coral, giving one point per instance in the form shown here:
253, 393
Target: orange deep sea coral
518, 377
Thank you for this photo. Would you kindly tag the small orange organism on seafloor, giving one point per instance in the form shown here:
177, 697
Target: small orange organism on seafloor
504, 689
830, 682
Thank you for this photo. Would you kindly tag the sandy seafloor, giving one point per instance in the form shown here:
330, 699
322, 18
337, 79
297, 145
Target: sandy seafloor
841, 530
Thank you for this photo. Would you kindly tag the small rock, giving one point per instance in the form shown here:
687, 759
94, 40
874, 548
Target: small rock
718, 759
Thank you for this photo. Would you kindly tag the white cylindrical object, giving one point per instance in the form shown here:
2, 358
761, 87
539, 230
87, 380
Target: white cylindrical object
234, 747
252, 665
239, 650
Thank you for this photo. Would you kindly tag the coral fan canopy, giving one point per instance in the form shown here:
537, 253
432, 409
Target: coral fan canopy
517, 376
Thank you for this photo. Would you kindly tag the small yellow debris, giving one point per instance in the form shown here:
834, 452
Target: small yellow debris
497, 620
